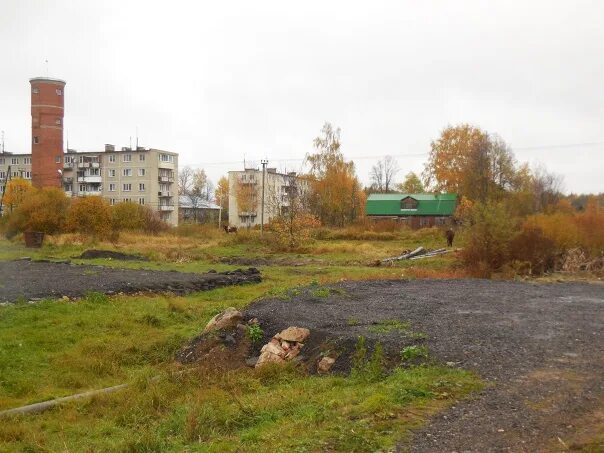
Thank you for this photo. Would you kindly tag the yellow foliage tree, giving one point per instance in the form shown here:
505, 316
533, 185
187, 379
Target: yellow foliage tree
15, 192
222, 195
42, 210
336, 195
90, 216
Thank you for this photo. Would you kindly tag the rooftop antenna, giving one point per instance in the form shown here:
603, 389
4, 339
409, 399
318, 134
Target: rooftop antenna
46, 61
67, 140
137, 137
131, 142
2, 142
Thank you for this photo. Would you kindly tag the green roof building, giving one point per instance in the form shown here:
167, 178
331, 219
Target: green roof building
414, 209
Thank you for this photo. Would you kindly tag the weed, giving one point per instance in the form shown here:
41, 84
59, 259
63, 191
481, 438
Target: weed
390, 325
352, 322
94, 297
320, 292
367, 368
255, 333
413, 352
150, 320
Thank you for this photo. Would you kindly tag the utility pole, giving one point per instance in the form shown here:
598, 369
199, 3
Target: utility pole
219, 211
263, 162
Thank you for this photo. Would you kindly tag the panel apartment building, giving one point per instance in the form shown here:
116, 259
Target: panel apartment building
247, 184
143, 175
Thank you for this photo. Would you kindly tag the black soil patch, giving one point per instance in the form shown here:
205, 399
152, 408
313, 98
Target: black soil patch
540, 346
266, 261
35, 280
110, 254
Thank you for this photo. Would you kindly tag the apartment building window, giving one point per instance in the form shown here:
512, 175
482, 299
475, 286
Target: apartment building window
68, 187
112, 187
112, 201
36, 140
166, 158
14, 161
2, 174
111, 173
58, 159
127, 158
141, 187
141, 200
16, 174
127, 200
111, 158
141, 172
1, 189
27, 160
127, 172
141, 157
127, 187
82, 188
28, 175
2, 161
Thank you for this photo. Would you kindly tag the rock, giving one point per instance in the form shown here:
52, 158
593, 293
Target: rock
294, 334
253, 321
272, 348
293, 352
325, 364
65, 298
225, 320
229, 340
251, 361
267, 357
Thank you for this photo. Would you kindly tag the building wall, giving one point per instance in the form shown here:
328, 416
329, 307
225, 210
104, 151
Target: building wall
47, 112
418, 221
20, 167
274, 193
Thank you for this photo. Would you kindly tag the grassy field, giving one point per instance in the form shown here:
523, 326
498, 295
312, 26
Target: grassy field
58, 348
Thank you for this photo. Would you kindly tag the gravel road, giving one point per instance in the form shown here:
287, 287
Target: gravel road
34, 280
539, 346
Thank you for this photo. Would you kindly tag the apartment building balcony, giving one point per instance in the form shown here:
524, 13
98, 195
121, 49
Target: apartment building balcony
68, 179
95, 165
84, 165
89, 193
68, 193
68, 165
164, 193
165, 178
91, 179
166, 207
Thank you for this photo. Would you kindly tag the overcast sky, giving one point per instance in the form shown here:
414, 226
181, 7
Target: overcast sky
220, 81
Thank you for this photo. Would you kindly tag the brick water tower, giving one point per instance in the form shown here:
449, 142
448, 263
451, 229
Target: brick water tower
47, 108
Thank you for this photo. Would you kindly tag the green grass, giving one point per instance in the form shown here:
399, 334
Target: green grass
57, 348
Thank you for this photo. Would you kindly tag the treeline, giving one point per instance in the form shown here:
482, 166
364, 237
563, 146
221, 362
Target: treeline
50, 211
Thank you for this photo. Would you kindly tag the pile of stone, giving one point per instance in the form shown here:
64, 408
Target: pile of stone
284, 346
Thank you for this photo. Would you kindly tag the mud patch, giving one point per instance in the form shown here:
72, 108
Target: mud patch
264, 261
110, 254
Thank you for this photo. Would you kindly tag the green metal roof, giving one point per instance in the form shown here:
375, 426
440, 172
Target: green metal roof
442, 204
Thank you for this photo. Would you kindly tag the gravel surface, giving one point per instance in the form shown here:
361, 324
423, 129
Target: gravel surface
34, 280
540, 347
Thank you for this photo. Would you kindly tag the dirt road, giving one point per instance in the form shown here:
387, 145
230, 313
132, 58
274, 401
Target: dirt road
32, 280
539, 346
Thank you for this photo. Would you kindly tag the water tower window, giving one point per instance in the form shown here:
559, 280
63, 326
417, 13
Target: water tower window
58, 121
36, 140
35, 90
59, 92
58, 159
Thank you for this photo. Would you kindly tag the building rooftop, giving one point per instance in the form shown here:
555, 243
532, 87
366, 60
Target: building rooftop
389, 204
47, 79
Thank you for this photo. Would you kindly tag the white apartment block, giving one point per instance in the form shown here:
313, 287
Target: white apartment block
142, 175
277, 187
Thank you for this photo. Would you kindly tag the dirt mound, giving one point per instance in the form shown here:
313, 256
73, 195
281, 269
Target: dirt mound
110, 254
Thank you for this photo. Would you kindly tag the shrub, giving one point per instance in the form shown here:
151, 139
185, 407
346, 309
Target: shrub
590, 225
90, 216
560, 228
128, 216
40, 210
533, 247
489, 230
152, 222
293, 231
15, 192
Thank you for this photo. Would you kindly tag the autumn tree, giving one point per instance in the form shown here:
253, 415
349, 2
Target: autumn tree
336, 195
467, 161
246, 194
294, 222
128, 216
195, 187
42, 210
14, 193
221, 195
90, 216
411, 184
383, 173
